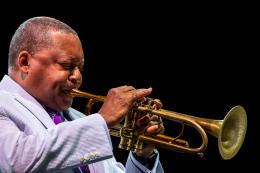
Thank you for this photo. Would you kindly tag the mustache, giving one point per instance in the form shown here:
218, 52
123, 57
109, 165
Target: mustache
68, 87
71, 85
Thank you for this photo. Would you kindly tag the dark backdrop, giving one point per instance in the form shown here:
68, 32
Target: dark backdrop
199, 62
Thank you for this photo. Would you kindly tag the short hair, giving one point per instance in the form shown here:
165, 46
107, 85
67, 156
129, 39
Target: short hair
33, 35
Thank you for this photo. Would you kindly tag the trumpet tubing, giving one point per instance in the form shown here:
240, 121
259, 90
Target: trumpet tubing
230, 131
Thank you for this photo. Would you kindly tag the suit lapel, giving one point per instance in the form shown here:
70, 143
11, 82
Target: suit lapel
26, 100
37, 110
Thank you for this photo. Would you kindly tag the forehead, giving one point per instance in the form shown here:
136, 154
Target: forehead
65, 40
64, 47
67, 44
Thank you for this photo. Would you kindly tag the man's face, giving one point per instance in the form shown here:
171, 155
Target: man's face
54, 71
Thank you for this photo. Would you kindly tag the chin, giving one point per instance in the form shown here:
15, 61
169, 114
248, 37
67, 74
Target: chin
65, 105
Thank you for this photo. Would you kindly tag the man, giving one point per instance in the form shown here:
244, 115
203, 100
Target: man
45, 59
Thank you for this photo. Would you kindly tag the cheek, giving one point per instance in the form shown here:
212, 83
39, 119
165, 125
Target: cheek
37, 78
57, 77
53, 81
49, 76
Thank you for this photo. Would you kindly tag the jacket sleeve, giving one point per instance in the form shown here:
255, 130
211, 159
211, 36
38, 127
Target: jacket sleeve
67, 145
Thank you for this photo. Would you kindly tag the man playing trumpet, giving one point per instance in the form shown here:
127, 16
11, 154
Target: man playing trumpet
38, 134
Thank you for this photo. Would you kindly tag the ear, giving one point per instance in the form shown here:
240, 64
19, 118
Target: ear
23, 61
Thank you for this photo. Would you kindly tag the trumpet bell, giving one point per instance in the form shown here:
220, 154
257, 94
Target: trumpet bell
232, 132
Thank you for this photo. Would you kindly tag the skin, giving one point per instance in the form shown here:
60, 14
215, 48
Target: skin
52, 72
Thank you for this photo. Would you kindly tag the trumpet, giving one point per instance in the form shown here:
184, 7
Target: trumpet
229, 131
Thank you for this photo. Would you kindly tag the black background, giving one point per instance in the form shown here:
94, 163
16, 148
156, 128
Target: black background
200, 60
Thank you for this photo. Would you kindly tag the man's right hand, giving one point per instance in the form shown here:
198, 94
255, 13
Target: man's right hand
119, 101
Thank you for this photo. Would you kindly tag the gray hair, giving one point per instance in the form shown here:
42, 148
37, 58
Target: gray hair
33, 35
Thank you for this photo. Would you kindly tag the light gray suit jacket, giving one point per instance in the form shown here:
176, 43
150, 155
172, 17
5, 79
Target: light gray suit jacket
31, 142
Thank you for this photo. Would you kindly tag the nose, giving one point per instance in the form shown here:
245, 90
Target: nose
75, 77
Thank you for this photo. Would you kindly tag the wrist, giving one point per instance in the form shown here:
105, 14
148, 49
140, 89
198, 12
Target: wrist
151, 155
147, 161
146, 155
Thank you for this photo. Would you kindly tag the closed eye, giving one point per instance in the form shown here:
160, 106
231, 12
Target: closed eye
70, 66
67, 66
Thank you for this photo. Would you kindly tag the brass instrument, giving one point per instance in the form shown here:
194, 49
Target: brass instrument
230, 131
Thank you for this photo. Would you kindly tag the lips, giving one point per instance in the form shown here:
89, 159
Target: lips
66, 91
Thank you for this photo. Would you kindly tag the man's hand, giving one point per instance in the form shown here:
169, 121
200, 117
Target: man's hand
119, 101
150, 125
